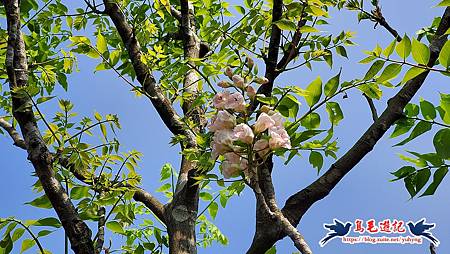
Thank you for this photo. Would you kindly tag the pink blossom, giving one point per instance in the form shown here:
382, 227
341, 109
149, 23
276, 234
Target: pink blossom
261, 147
224, 137
236, 102
223, 120
243, 133
233, 158
263, 123
221, 99
223, 84
279, 138
238, 81
229, 170
218, 149
233, 164
277, 117
251, 92
222, 142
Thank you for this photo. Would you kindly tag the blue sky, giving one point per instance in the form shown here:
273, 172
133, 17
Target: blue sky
364, 193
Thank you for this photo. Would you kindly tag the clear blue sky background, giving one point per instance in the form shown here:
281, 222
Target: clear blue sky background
364, 193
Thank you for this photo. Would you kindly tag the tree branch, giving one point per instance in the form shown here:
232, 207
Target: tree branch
101, 230
299, 203
18, 141
145, 77
140, 195
372, 107
274, 47
17, 68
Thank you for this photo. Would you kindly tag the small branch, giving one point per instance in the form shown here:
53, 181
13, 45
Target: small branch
429, 121
18, 140
175, 13
378, 16
372, 107
162, 105
36, 240
101, 230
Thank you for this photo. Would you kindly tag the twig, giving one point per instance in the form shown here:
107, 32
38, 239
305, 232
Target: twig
372, 107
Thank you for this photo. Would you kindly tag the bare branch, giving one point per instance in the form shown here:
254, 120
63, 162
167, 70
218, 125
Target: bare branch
18, 141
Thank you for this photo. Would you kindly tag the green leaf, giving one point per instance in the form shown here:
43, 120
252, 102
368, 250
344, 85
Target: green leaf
422, 178
97, 116
18, 233
332, 85
444, 3
403, 172
409, 185
441, 142
374, 69
412, 73
444, 56
289, 106
389, 49
334, 112
285, 24
316, 160
102, 47
79, 192
314, 92
26, 244
115, 227
421, 128
212, 209
445, 107
427, 109
390, 72
41, 202
48, 222
372, 90
44, 99
43, 233
309, 29
139, 250
420, 52
272, 250
404, 47
437, 179
240, 9
311, 121
340, 50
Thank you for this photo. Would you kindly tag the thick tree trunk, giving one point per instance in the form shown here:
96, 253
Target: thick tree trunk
181, 213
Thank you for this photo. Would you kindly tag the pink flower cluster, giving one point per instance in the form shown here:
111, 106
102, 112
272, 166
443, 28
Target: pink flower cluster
227, 131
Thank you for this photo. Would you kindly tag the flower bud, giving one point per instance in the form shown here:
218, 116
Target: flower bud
228, 72
223, 84
261, 80
250, 62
